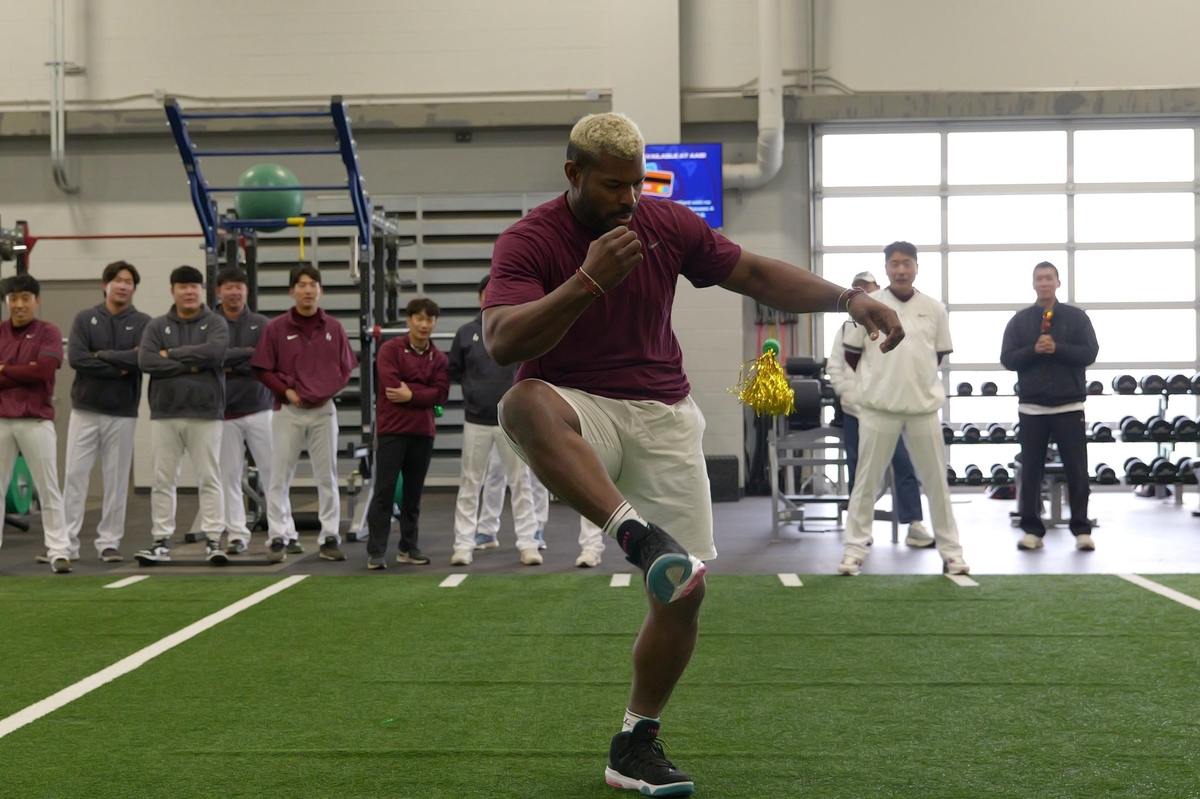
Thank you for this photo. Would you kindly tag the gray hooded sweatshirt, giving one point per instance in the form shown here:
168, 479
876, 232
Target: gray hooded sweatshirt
190, 382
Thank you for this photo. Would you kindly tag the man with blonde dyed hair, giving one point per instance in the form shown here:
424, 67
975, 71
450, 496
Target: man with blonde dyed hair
581, 293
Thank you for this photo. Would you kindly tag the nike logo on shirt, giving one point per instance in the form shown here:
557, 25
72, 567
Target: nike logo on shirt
28, 335
655, 244
294, 335
129, 327
203, 327
254, 327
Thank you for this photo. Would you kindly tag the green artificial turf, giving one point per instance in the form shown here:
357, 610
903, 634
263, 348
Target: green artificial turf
511, 686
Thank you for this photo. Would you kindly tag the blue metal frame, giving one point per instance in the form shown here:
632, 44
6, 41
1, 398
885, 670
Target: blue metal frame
212, 222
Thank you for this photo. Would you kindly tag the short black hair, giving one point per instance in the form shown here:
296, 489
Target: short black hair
1047, 265
484, 283
422, 305
303, 270
112, 270
232, 274
899, 246
186, 274
19, 284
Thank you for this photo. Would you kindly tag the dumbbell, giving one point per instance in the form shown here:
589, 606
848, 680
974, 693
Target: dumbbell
970, 432
1178, 384
1000, 474
989, 389
1185, 429
964, 389
974, 475
1095, 387
1132, 429
947, 433
1016, 388
951, 476
996, 432
1136, 471
1016, 429
1101, 432
1196, 383
1186, 469
1106, 475
1158, 428
1124, 384
1152, 384
1162, 471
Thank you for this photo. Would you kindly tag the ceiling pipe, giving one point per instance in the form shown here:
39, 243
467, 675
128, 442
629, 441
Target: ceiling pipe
769, 154
58, 100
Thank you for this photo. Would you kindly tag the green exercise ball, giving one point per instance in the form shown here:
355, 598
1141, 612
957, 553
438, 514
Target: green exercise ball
399, 490
268, 204
20, 490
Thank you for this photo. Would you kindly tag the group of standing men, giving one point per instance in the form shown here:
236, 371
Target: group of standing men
891, 408
220, 381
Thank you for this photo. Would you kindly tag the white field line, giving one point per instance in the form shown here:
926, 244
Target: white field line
963, 580
790, 580
1162, 590
620, 581
88, 684
137, 578
453, 581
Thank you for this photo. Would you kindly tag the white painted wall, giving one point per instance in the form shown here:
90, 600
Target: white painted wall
393, 48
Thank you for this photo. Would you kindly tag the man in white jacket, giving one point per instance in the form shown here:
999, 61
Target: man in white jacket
908, 489
901, 395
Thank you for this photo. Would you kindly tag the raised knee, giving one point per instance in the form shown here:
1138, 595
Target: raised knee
521, 404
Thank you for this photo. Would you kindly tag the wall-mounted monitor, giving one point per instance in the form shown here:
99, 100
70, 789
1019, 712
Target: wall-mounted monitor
689, 174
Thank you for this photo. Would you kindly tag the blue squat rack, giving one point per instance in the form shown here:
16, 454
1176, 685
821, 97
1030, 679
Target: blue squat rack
373, 255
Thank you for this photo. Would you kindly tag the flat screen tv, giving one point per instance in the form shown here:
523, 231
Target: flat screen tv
689, 174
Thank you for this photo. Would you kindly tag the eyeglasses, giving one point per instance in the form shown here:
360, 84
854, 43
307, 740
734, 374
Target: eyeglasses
1047, 317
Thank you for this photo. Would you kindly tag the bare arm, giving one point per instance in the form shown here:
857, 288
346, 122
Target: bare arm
793, 290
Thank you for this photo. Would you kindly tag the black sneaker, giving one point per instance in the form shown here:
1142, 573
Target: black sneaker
112, 555
376, 562
330, 551
61, 565
158, 552
295, 547
413, 555
636, 762
235, 547
275, 551
213, 552
670, 572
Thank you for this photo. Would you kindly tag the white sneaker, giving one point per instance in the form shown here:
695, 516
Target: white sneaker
461, 557
1029, 542
850, 566
918, 536
956, 565
1084, 543
588, 559
531, 557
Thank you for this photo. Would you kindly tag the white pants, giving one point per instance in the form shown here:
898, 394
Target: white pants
111, 437
253, 431
37, 441
878, 435
201, 439
294, 429
479, 442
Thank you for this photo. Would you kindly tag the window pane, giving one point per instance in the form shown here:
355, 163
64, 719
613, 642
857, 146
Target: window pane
977, 335
1125, 156
1007, 157
878, 221
1151, 336
830, 322
1134, 217
1104, 275
1016, 219
990, 277
841, 268
881, 159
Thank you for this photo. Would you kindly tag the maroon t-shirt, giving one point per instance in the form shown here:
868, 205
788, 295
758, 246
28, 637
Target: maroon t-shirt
309, 354
27, 392
622, 347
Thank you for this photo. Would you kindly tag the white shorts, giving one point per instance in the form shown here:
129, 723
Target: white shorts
654, 455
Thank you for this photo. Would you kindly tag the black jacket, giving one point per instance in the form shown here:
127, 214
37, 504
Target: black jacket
1058, 378
483, 381
244, 393
108, 382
